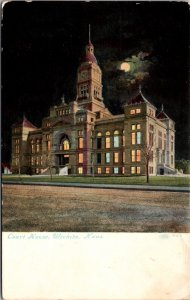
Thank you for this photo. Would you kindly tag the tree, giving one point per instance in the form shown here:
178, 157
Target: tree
49, 163
147, 153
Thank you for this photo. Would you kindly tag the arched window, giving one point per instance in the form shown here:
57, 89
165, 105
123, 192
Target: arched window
116, 139
107, 139
99, 134
64, 144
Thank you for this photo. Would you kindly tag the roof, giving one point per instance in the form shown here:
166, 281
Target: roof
140, 98
24, 123
89, 57
162, 115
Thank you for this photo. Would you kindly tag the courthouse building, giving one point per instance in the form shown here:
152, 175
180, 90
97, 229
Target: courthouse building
85, 138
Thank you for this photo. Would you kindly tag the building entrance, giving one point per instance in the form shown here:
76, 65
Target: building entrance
63, 159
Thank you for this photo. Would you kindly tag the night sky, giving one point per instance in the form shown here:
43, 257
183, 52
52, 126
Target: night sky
43, 43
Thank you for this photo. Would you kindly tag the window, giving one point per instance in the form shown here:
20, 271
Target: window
160, 139
116, 157
66, 145
107, 170
123, 170
132, 112
37, 160
99, 170
133, 138
80, 143
116, 170
107, 158
80, 132
151, 138
99, 143
138, 111
151, 169
48, 145
138, 155
172, 159
32, 160
133, 170
133, 155
172, 143
80, 158
133, 127
138, 170
138, 126
116, 139
98, 158
123, 138
107, 132
37, 146
80, 170
123, 156
17, 146
138, 138
107, 142
164, 141
99, 134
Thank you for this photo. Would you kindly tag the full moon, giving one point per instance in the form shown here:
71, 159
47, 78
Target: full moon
125, 66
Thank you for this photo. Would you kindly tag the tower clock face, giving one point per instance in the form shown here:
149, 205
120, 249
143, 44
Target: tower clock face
84, 75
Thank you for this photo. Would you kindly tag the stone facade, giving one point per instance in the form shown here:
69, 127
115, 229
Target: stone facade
87, 139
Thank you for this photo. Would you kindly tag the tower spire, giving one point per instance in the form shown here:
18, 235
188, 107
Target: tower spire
89, 38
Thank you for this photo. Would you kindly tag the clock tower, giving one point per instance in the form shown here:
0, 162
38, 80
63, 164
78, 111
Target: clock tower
89, 81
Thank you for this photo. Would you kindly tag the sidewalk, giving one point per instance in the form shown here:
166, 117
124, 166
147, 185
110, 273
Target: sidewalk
105, 186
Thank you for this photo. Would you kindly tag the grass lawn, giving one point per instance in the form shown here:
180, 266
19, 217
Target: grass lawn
140, 180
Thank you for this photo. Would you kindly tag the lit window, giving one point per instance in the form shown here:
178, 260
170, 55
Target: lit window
80, 170
123, 170
99, 134
107, 158
107, 142
133, 138
80, 158
48, 144
138, 138
116, 170
107, 170
107, 132
138, 155
116, 157
65, 145
138, 170
99, 170
37, 160
133, 155
32, 160
133, 170
80, 143
138, 110
133, 127
132, 111
138, 126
